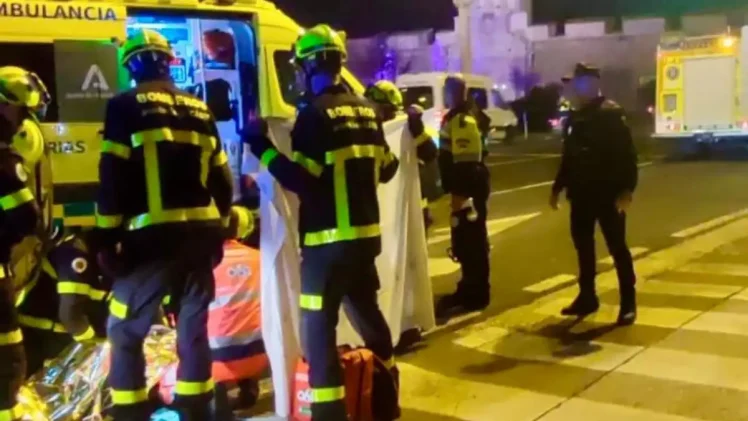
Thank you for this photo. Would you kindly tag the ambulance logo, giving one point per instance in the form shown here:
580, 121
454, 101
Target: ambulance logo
93, 86
95, 80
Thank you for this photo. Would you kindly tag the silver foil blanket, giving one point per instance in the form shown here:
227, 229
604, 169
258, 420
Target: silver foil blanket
72, 387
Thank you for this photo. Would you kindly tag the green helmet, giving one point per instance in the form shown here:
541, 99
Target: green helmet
385, 92
145, 40
320, 39
23, 88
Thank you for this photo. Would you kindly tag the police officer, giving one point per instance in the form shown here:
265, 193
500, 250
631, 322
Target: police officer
165, 192
22, 96
339, 157
389, 99
68, 302
466, 179
599, 173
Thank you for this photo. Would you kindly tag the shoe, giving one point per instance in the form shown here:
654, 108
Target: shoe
581, 307
627, 313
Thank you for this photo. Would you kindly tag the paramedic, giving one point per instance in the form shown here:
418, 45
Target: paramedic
165, 193
68, 302
465, 177
339, 157
23, 98
389, 100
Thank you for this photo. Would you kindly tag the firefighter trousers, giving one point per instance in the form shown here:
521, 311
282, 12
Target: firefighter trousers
13, 366
334, 275
471, 249
136, 300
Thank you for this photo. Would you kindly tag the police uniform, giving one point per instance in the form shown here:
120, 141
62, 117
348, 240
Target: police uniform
19, 215
461, 154
599, 164
69, 301
165, 194
340, 155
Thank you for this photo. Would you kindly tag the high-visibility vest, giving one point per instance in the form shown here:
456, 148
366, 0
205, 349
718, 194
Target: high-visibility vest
234, 318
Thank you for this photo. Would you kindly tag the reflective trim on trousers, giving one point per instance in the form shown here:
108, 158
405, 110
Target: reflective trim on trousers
310, 302
184, 388
328, 394
68, 287
129, 397
335, 235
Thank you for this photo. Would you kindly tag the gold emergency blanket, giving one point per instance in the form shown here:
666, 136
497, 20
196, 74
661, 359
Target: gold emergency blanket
72, 387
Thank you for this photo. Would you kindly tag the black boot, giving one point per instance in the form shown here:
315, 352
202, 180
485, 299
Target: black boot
627, 312
583, 305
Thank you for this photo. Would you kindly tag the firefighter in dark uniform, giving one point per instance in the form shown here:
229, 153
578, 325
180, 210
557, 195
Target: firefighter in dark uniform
339, 157
389, 100
599, 173
68, 302
22, 97
465, 177
165, 194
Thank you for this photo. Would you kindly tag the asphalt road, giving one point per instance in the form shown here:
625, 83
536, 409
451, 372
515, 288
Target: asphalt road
532, 243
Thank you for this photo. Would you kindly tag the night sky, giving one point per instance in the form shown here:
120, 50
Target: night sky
360, 18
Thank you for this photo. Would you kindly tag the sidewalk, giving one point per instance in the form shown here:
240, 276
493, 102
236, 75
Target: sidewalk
686, 359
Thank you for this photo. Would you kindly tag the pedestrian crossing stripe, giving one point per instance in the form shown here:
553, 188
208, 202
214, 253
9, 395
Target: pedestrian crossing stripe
530, 364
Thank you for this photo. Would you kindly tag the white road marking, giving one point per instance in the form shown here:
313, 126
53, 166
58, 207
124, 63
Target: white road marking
635, 251
494, 227
705, 226
550, 283
715, 269
519, 161
544, 183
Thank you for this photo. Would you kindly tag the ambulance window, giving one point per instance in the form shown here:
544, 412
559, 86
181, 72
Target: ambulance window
38, 58
286, 76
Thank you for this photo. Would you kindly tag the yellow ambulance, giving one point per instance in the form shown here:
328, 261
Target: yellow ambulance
235, 54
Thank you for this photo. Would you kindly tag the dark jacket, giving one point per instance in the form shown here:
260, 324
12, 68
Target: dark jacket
165, 184
339, 157
599, 158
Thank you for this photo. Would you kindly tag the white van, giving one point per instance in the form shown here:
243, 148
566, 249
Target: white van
427, 90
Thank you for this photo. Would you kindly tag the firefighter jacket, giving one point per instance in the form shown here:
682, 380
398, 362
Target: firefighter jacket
339, 156
69, 296
164, 178
19, 212
461, 152
599, 158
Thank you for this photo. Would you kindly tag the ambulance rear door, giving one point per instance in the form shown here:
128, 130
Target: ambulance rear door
69, 45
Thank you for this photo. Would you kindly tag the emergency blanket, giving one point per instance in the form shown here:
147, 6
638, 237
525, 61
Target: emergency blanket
405, 297
72, 387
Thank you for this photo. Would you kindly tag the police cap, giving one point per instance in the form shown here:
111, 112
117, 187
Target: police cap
586, 69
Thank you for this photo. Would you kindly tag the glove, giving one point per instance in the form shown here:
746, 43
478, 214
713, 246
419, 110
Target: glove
415, 122
255, 134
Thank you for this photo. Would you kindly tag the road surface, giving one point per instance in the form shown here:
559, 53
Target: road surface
687, 357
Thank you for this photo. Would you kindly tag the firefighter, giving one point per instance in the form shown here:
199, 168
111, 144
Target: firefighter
390, 102
23, 97
340, 155
68, 302
165, 193
599, 173
465, 177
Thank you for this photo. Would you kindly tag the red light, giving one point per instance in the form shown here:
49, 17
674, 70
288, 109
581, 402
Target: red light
650, 109
745, 125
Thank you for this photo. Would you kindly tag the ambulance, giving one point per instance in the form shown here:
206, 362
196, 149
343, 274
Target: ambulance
701, 87
235, 54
